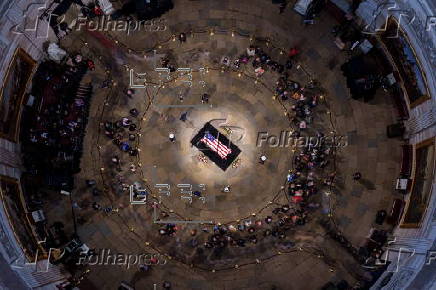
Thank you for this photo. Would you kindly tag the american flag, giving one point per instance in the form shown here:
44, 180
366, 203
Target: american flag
216, 146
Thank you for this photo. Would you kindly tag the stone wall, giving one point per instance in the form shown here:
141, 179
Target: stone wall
17, 30
408, 253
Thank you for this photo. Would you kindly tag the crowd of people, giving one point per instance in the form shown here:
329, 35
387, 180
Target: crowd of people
55, 125
123, 134
286, 89
302, 181
52, 131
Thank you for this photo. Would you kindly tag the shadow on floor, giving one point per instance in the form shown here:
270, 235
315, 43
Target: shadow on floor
367, 184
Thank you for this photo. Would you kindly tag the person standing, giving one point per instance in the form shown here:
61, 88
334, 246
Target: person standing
182, 37
282, 6
357, 176
262, 159
166, 285
205, 98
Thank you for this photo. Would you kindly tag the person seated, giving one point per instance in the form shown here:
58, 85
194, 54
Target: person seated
225, 61
259, 71
132, 127
124, 146
130, 92
293, 52
236, 64
91, 65
134, 112
126, 122
251, 51
77, 59
256, 62
205, 98
264, 58
243, 59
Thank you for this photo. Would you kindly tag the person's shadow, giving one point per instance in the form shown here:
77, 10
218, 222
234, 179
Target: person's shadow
367, 184
139, 275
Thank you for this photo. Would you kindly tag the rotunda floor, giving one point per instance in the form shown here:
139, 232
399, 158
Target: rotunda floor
243, 103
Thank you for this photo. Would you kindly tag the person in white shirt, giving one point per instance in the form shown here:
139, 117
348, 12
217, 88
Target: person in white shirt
262, 159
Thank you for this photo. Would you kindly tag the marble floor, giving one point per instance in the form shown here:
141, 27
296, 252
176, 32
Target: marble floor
240, 101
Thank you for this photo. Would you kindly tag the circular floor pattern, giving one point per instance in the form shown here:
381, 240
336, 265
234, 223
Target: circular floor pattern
238, 100
131, 228
247, 112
